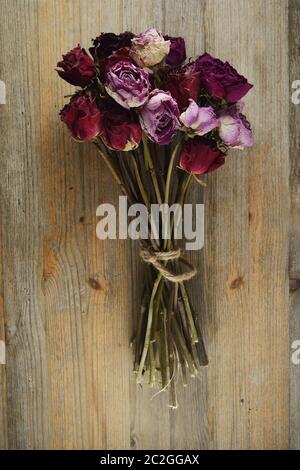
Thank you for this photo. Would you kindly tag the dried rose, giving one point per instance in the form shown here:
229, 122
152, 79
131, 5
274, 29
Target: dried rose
200, 156
82, 116
149, 48
77, 66
127, 84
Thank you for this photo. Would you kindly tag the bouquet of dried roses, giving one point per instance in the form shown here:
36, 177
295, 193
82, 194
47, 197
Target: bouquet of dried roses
158, 121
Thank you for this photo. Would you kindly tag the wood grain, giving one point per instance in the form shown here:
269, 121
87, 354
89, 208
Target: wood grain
294, 257
69, 299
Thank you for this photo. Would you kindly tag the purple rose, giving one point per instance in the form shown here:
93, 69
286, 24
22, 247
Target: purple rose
199, 120
177, 54
159, 117
149, 48
77, 66
107, 43
220, 79
234, 129
127, 84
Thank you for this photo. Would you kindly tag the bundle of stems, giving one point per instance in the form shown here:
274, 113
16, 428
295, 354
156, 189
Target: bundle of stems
167, 339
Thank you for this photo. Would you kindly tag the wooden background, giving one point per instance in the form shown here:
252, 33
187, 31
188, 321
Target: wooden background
67, 299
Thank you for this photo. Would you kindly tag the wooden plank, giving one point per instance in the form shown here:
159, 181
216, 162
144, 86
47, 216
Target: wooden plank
21, 235
294, 258
87, 291
247, 232
3, 391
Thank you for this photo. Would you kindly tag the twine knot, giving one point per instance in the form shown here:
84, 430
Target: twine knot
159, 259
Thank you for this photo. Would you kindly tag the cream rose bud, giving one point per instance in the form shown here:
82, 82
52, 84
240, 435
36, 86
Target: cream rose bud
149, 48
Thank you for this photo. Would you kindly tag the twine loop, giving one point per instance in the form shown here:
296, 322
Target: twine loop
159, 259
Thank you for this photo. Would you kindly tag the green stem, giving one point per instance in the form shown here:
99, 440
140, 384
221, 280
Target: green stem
189, 313
139, 182
181, 342
148, 329
151, 168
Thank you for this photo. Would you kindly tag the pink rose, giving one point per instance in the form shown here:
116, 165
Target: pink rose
234, 129
198, 120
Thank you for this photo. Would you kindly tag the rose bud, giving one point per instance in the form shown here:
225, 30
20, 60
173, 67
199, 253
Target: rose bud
177, 54
127, 84
183, 83
198, 120
120, 129
82, 116
149, 48
220, 79
234, 128
78, 67
159, 117
107, 43
200, 156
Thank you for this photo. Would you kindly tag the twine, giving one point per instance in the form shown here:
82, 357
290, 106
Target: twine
157, 259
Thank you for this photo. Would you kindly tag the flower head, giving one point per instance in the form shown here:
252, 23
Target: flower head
220, 79
82, 116
77, 66
198, 120
200, 156
120, 128
149, 48
177, 54
183, 83
234, 129
159, 117
127, 84
105, 44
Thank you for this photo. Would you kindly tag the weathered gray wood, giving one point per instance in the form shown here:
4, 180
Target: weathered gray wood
69, 299
294, 255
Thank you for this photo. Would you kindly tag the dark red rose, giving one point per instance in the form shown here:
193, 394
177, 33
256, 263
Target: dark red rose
77, 66
106, 43
177, 54
82, 116
120, 128
121, 55
200, 156
183, 83
220, 79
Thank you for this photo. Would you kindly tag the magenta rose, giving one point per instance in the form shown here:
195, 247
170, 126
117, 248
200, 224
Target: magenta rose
177, 54
105, 44
200, 156
234, 128
220, 79
159, 117
77, 66
199, 120
82, 116
120, 129
127, 84
183, 83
